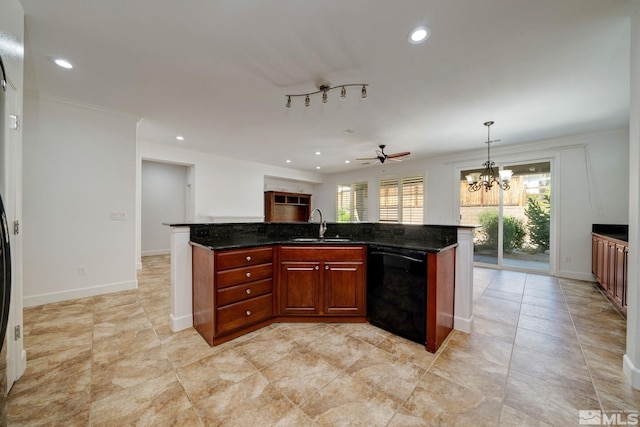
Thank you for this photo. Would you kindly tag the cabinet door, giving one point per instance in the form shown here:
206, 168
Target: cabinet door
299, 287
620, 284
344, 288
611, 268
600, 261
594, 256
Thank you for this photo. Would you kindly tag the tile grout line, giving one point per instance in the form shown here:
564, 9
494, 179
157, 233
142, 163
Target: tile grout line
584, 357
513, 346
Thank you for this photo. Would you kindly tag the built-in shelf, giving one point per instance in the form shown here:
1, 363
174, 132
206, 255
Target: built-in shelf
286, 207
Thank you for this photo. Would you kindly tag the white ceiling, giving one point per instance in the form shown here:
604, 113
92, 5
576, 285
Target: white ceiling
217, 72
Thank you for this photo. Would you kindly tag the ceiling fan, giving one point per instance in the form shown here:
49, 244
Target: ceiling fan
382, 157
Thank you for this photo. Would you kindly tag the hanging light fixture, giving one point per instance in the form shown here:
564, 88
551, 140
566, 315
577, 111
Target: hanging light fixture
487, 178
324, 88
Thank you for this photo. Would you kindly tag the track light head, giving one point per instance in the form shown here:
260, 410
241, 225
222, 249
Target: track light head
324, 88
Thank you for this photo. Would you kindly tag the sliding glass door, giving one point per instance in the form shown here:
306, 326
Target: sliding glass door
515, 224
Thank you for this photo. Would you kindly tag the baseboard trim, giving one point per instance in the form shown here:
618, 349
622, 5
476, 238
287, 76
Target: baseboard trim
180, 323
575, 275
34, 300
631, 371
463, 324
156, 252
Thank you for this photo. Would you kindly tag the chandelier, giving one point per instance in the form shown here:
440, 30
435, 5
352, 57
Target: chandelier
487, 178
324, 88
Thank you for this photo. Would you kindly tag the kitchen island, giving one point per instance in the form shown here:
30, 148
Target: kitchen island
299, 240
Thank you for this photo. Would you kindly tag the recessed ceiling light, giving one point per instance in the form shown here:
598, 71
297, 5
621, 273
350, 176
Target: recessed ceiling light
317, 167
318, 153
347, 161
287, 161
63, 63
419, 34
349, 131
180, 138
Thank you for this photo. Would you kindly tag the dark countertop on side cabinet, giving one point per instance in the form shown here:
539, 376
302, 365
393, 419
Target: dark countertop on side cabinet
614, 231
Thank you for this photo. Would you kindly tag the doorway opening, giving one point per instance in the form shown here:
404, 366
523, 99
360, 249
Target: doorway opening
515, 224
166, 198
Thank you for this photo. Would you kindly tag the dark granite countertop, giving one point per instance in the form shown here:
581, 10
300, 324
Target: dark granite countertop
426, 238
613, 231
253, 241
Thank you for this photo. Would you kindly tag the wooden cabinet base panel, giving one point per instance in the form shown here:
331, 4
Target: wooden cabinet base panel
320, 319
213, 341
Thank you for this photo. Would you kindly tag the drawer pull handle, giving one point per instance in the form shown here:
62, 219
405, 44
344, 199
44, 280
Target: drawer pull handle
248, 313
248, 274
248, 291
317, 268
248, 258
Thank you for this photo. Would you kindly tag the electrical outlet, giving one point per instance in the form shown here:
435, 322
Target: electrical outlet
118, 216
82, 271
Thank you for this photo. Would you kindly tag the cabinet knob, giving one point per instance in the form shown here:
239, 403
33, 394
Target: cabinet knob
248, 313
248, 274
248, 258
317, 268
326, 267
248, 291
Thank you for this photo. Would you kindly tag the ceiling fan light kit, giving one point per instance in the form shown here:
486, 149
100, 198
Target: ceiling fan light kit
324, 88
382, 157
487, 178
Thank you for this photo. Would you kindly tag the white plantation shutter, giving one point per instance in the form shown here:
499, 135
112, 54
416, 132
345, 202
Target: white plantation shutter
389, 211
413, 200
352, 202
402, 200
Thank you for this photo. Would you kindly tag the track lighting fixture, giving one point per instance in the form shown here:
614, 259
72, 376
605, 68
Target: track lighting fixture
325, 88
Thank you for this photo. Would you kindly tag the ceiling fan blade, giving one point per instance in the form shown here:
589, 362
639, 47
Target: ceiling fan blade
404, 153
393, 159
368, 158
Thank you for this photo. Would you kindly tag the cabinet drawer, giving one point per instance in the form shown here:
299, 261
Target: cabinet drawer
237, 276
324, 253
243, 313
244, 291
243, 257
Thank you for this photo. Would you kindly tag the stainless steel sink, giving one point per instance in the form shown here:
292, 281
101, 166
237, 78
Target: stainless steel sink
316, 239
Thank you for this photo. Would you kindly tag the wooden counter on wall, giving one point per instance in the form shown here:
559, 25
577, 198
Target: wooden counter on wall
609, 266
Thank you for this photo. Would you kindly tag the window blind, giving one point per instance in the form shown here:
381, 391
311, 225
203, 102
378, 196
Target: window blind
352, 202
402, 200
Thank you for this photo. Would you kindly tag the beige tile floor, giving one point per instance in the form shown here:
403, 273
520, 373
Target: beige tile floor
541, 350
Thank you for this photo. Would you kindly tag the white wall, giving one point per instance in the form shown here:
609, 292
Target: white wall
631, 361
590, 185
79, 168
163, 200
291, 186
223, 187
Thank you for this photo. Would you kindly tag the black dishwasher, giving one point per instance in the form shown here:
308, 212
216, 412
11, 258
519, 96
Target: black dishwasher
396, 291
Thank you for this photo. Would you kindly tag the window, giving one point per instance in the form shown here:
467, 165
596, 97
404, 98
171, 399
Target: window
402, 200
352, 202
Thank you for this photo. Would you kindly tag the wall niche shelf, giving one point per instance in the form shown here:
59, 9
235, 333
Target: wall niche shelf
281, 206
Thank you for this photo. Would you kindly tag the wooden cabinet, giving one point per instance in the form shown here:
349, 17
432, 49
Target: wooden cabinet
299, 288
323, 281
286, 207
609, 258
232, 291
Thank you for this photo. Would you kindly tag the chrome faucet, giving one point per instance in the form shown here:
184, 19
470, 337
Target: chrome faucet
323, 223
